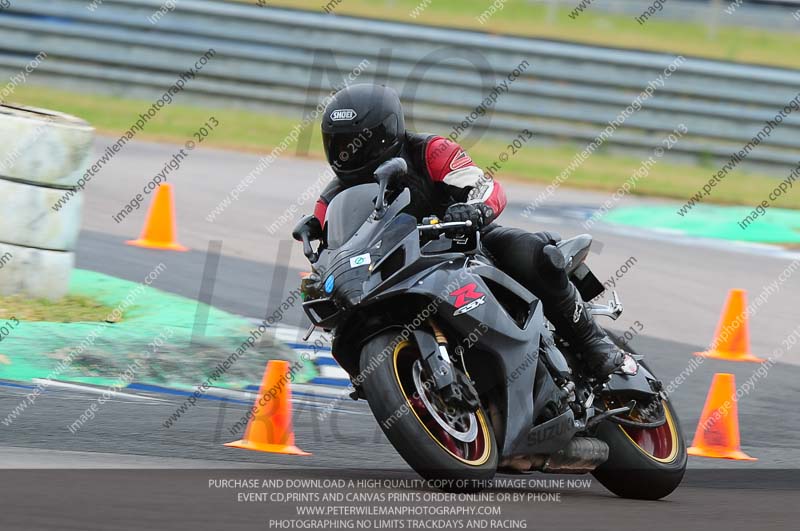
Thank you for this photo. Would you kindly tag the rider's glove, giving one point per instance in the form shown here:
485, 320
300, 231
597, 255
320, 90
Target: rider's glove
478, 213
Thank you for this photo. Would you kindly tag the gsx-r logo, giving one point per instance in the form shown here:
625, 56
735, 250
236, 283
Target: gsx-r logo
467, 299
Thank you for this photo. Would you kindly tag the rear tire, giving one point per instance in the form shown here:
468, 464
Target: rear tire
410, 427
633, 472
647, 472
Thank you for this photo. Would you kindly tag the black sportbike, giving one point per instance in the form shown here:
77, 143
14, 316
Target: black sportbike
458, 363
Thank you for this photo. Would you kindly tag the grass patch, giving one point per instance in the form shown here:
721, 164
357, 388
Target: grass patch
112, 115
251, 131
520, 17
603, 171
70, 309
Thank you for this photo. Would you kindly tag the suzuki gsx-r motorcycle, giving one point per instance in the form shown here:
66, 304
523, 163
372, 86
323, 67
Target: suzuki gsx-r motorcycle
459, 365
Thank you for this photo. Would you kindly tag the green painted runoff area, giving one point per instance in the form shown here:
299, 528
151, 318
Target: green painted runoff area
112, 353
776, 225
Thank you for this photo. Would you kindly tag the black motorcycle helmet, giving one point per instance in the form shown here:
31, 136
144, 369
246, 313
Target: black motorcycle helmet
362, 127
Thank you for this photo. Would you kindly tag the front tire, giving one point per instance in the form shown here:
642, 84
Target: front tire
464, 456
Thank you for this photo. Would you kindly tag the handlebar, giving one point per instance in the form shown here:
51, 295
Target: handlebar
431, 228
446, 226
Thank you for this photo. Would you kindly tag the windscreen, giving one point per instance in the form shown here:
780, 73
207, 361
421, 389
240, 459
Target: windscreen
348, 211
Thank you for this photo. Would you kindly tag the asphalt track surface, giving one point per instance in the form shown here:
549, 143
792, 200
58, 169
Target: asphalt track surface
161, 477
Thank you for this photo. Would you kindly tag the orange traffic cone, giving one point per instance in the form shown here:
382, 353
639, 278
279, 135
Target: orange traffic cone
732, 338
159, 230
717, 432
270, 428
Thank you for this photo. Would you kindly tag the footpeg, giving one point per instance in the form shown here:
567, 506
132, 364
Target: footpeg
594, 421
612, 310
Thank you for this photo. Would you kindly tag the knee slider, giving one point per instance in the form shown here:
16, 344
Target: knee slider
553, 260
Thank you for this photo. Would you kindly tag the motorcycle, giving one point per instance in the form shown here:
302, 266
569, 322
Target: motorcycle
458, 363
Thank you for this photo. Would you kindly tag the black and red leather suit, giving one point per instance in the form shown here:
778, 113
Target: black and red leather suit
442, 174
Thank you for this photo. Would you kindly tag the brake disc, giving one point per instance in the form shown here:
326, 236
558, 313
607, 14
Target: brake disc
445, 420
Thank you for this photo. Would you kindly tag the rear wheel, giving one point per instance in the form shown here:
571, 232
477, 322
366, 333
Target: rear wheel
438, 442
645, 463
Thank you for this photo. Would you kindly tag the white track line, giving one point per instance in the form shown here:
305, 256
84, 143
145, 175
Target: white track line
93, 390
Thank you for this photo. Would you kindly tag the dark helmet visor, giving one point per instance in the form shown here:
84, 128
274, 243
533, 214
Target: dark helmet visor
351, 151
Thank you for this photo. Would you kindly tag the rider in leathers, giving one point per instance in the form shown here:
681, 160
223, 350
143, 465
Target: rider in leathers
363, 126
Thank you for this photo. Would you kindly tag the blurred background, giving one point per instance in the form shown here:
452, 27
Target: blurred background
588, 61
604, 116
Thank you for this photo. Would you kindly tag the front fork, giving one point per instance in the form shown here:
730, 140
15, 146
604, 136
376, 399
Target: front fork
449, 382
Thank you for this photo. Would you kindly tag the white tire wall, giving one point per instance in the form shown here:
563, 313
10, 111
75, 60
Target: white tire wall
35, 272
42, 156
43, 147
33, 222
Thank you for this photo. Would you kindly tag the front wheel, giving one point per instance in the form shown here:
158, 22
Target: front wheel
438, 442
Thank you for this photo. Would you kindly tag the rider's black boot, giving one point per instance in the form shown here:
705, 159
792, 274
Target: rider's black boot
567, 311
574, 323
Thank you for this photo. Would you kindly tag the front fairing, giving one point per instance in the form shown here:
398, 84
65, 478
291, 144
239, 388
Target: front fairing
343, 270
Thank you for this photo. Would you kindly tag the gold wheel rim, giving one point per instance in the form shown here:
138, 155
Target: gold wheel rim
479, 416
673, 432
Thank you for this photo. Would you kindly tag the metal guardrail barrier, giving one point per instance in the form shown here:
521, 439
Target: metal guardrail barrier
288, 60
